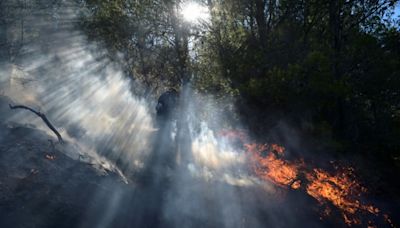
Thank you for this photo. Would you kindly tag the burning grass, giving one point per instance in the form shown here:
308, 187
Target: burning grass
335, 190
340, 190
267, 164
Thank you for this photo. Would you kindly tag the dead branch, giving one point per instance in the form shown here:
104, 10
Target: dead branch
44, 118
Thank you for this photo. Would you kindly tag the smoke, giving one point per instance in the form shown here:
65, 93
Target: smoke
81, 91
182, 173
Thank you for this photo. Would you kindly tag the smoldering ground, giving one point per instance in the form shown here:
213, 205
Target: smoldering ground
191, 178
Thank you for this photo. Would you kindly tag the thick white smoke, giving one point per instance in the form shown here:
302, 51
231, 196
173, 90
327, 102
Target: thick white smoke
89, 99
82, 92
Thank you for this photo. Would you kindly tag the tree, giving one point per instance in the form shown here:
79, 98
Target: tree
310, 61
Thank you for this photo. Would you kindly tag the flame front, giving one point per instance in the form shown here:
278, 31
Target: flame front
338, 189
269, 166
341, 190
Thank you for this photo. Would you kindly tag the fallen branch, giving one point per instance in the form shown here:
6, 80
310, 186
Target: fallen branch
41, 115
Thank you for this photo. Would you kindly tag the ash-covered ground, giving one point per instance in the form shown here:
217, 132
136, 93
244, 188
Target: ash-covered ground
47, 184
118, 168
40, 186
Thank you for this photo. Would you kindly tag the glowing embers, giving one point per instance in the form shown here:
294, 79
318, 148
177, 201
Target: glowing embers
340, 189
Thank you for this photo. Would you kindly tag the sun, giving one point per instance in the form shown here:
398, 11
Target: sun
193, 12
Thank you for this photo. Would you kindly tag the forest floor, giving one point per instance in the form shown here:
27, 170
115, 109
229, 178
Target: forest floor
40, 186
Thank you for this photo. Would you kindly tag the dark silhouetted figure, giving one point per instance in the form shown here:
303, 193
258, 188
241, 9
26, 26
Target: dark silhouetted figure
167, 106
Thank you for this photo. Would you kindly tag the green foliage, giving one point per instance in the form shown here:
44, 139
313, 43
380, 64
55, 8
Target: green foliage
334, 65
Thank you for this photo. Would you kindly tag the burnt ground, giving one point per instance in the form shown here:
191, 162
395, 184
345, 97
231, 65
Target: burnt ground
36, 191
40, 186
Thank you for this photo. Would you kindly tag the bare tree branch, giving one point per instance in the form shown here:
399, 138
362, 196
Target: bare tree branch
42, 116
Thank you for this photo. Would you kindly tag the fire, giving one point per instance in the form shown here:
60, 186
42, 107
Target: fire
338, 189
296, 184
269, 166
388, 220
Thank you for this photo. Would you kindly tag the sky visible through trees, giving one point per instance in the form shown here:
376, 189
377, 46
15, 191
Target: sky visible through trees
315, 80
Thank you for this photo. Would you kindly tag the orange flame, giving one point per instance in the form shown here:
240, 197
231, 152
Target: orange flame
269, 166
339, 189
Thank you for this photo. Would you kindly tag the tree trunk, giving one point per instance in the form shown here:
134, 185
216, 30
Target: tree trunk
335, 26
4, 52
335, 33
251, 16
216, 28
271, 13
261, 22
181, 45
306, 12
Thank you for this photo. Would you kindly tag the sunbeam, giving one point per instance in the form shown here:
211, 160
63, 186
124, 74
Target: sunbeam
185, 114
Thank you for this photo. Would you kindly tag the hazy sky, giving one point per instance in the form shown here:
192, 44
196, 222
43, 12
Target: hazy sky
397, 11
